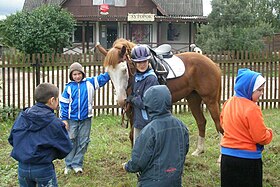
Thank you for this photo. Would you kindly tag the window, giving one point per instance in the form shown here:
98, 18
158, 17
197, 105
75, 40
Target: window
141, 33
109, 2
173, 32
78, 34
119, 3
100, 2
97, 2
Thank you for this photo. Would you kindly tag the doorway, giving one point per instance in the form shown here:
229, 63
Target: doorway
108, 33
112, 35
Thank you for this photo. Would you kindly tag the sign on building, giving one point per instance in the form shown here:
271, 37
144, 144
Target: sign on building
141, 17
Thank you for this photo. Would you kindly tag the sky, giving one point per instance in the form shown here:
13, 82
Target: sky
8, 7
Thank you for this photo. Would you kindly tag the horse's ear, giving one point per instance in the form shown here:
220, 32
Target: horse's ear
123, 51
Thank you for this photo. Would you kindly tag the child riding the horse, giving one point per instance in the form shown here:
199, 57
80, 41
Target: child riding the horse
144, 78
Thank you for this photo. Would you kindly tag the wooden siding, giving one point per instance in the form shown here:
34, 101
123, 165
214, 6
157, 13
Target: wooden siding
138, 6
19, 77
82, 8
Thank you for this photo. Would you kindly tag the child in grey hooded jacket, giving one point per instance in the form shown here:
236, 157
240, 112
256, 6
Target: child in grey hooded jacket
160, 150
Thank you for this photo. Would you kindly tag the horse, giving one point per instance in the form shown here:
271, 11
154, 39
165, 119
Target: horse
201, 82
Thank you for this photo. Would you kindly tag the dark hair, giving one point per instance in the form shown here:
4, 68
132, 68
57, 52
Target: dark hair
45, 91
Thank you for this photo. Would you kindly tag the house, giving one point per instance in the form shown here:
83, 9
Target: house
152, 22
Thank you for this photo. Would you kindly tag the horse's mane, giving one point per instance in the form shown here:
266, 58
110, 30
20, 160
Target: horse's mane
114, 54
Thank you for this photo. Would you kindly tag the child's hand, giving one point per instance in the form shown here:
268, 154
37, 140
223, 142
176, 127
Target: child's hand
66, 125
129, 98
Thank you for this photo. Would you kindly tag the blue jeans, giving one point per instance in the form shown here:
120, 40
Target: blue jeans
30, 175
79, 134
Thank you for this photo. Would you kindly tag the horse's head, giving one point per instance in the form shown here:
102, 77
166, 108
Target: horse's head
119, 77
116, 63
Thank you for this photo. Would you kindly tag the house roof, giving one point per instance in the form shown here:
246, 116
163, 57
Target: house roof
32, 4
180, 7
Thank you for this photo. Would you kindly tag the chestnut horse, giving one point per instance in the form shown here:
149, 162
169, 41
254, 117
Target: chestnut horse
201, 81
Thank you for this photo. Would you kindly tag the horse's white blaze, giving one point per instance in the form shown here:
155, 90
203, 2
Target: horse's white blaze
119, 77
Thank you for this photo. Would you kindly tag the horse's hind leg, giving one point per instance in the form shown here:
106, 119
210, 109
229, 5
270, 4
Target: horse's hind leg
214, 109
194, 102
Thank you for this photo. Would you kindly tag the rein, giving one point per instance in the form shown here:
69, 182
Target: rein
127, 109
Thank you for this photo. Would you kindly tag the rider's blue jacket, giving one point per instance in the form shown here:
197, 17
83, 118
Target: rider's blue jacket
142, 81
76, 99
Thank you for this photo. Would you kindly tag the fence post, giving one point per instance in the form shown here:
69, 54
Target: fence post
37, 70
278, 79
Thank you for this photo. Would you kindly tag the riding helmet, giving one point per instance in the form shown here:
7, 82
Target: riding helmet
140, 53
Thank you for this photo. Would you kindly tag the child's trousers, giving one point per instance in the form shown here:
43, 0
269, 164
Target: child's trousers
79, 134
32, 175
241, 172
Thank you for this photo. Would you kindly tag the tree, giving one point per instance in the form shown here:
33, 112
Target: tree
44, 30
239, 25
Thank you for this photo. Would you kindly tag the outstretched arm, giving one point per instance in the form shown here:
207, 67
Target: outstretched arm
101, 49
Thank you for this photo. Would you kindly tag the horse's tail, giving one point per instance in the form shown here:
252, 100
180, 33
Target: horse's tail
220, 86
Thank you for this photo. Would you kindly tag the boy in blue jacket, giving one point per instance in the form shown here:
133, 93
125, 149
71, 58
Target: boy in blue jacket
160, 150
38, 137
76, 110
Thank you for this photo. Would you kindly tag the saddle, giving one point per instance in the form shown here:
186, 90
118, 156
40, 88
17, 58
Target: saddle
158, 61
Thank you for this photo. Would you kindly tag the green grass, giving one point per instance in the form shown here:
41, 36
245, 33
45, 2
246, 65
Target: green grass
110, 147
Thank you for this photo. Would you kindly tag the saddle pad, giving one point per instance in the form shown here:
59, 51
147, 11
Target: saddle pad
176, 65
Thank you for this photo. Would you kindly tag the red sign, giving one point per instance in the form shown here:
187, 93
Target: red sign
104, 8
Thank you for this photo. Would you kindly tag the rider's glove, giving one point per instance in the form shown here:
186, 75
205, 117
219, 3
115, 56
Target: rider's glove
129, 98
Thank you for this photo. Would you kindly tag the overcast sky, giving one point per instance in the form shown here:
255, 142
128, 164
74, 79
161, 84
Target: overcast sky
8, 7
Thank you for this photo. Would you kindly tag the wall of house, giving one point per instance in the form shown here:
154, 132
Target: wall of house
106, 28
82, 8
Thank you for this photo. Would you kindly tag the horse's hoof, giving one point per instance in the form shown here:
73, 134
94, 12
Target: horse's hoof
197, 152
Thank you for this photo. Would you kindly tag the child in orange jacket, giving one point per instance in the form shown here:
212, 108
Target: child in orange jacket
245, 133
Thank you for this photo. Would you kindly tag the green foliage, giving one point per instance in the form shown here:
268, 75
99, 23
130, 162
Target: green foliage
110, 147
7, 113
44, 30
239, 25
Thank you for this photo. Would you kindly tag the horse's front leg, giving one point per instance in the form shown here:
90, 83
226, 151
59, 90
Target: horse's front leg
194, 102
129, 115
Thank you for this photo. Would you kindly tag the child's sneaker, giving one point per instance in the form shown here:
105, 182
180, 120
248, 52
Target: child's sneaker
66, 171
78, 170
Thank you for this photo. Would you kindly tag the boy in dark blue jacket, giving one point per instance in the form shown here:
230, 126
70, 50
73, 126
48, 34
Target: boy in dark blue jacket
38, 137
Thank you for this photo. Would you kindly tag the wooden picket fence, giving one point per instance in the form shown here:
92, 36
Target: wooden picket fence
20, 74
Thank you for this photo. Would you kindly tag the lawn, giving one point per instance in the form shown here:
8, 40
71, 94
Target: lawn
110, 147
